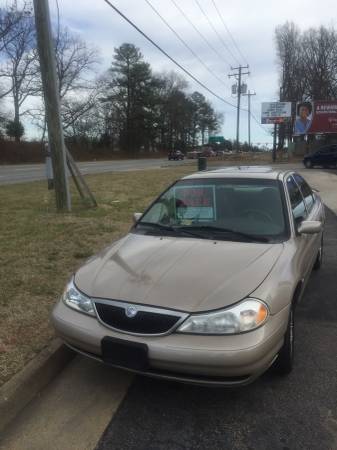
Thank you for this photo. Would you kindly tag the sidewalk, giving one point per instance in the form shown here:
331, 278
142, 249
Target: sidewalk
72, 412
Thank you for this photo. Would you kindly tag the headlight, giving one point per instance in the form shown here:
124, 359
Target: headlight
245, 316
73, 298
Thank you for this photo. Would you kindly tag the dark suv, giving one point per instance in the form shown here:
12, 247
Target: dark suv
325, 156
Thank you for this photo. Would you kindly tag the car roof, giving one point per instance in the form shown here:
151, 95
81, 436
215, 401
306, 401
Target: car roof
263, 172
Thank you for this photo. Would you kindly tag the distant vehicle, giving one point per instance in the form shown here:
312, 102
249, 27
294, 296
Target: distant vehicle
194, 154
176, 155
220, 153
208, 152
325, 156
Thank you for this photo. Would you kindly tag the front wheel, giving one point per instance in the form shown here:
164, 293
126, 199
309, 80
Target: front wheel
308, 164
285, 360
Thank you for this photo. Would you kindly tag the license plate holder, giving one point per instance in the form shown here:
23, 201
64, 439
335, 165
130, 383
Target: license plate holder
119, 352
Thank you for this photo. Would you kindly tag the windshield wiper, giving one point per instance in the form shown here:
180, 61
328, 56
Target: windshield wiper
190, 231
155, 225
251, 237
171, 229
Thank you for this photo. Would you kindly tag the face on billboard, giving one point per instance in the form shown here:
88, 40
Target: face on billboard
303, 118
304, 112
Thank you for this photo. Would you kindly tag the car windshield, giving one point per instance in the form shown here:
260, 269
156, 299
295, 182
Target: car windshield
219, 208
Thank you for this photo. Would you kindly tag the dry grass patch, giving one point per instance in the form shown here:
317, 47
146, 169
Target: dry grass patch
40, 248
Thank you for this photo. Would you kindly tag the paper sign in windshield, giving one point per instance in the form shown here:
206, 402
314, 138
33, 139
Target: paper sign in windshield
195, 202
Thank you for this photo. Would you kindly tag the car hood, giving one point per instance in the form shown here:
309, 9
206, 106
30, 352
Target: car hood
175, 272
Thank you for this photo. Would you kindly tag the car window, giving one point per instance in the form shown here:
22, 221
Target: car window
250, 206
306, 191
296, 200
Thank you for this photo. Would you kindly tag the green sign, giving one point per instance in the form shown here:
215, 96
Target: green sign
216, 140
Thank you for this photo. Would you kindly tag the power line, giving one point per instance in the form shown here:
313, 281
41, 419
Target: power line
176, 62
229, 33
199, 32
259, 123
237, 48
167, 55
185, 44
216, 31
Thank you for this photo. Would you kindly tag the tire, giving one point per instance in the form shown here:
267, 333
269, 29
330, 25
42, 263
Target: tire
308, 164
319, 258
285, 360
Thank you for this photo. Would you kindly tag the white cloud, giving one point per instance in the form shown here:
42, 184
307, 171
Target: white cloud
251, 22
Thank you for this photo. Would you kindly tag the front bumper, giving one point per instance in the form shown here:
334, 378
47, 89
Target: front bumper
212, 360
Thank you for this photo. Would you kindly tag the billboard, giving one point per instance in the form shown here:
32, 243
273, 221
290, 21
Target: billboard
316, 117
275, 112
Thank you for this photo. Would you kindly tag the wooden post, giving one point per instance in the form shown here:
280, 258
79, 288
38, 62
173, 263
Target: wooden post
274, 142
52, 104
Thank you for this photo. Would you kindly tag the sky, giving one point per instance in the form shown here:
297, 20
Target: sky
251, 23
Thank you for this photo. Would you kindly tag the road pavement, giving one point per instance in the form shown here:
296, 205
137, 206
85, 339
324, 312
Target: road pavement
23, 173
298, 412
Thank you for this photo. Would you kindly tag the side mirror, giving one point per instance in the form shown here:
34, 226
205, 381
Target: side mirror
310, 227
136, 217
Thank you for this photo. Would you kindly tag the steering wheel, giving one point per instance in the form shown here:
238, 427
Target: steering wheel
257, 213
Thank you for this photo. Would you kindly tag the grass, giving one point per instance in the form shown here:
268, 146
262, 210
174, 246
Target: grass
39, 249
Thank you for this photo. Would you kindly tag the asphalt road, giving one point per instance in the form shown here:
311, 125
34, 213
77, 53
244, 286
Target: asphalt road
22, 173
274, 413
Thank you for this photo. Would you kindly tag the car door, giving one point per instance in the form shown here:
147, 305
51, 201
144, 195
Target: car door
329, 156
334, 155
324, 156
314, 212
303, 256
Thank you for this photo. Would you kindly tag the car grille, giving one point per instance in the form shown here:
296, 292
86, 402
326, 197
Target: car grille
146, 321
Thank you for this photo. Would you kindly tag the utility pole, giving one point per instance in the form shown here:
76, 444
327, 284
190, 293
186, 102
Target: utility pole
52, 103
274, 142
249, 94
238, 76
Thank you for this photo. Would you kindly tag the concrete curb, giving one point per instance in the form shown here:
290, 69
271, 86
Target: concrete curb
24, 386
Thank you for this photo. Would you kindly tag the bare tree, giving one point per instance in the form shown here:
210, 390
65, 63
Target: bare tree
308, 66
19, 69
319, 54
9, 18
75, 62
74, 110
307, 62
290, 61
